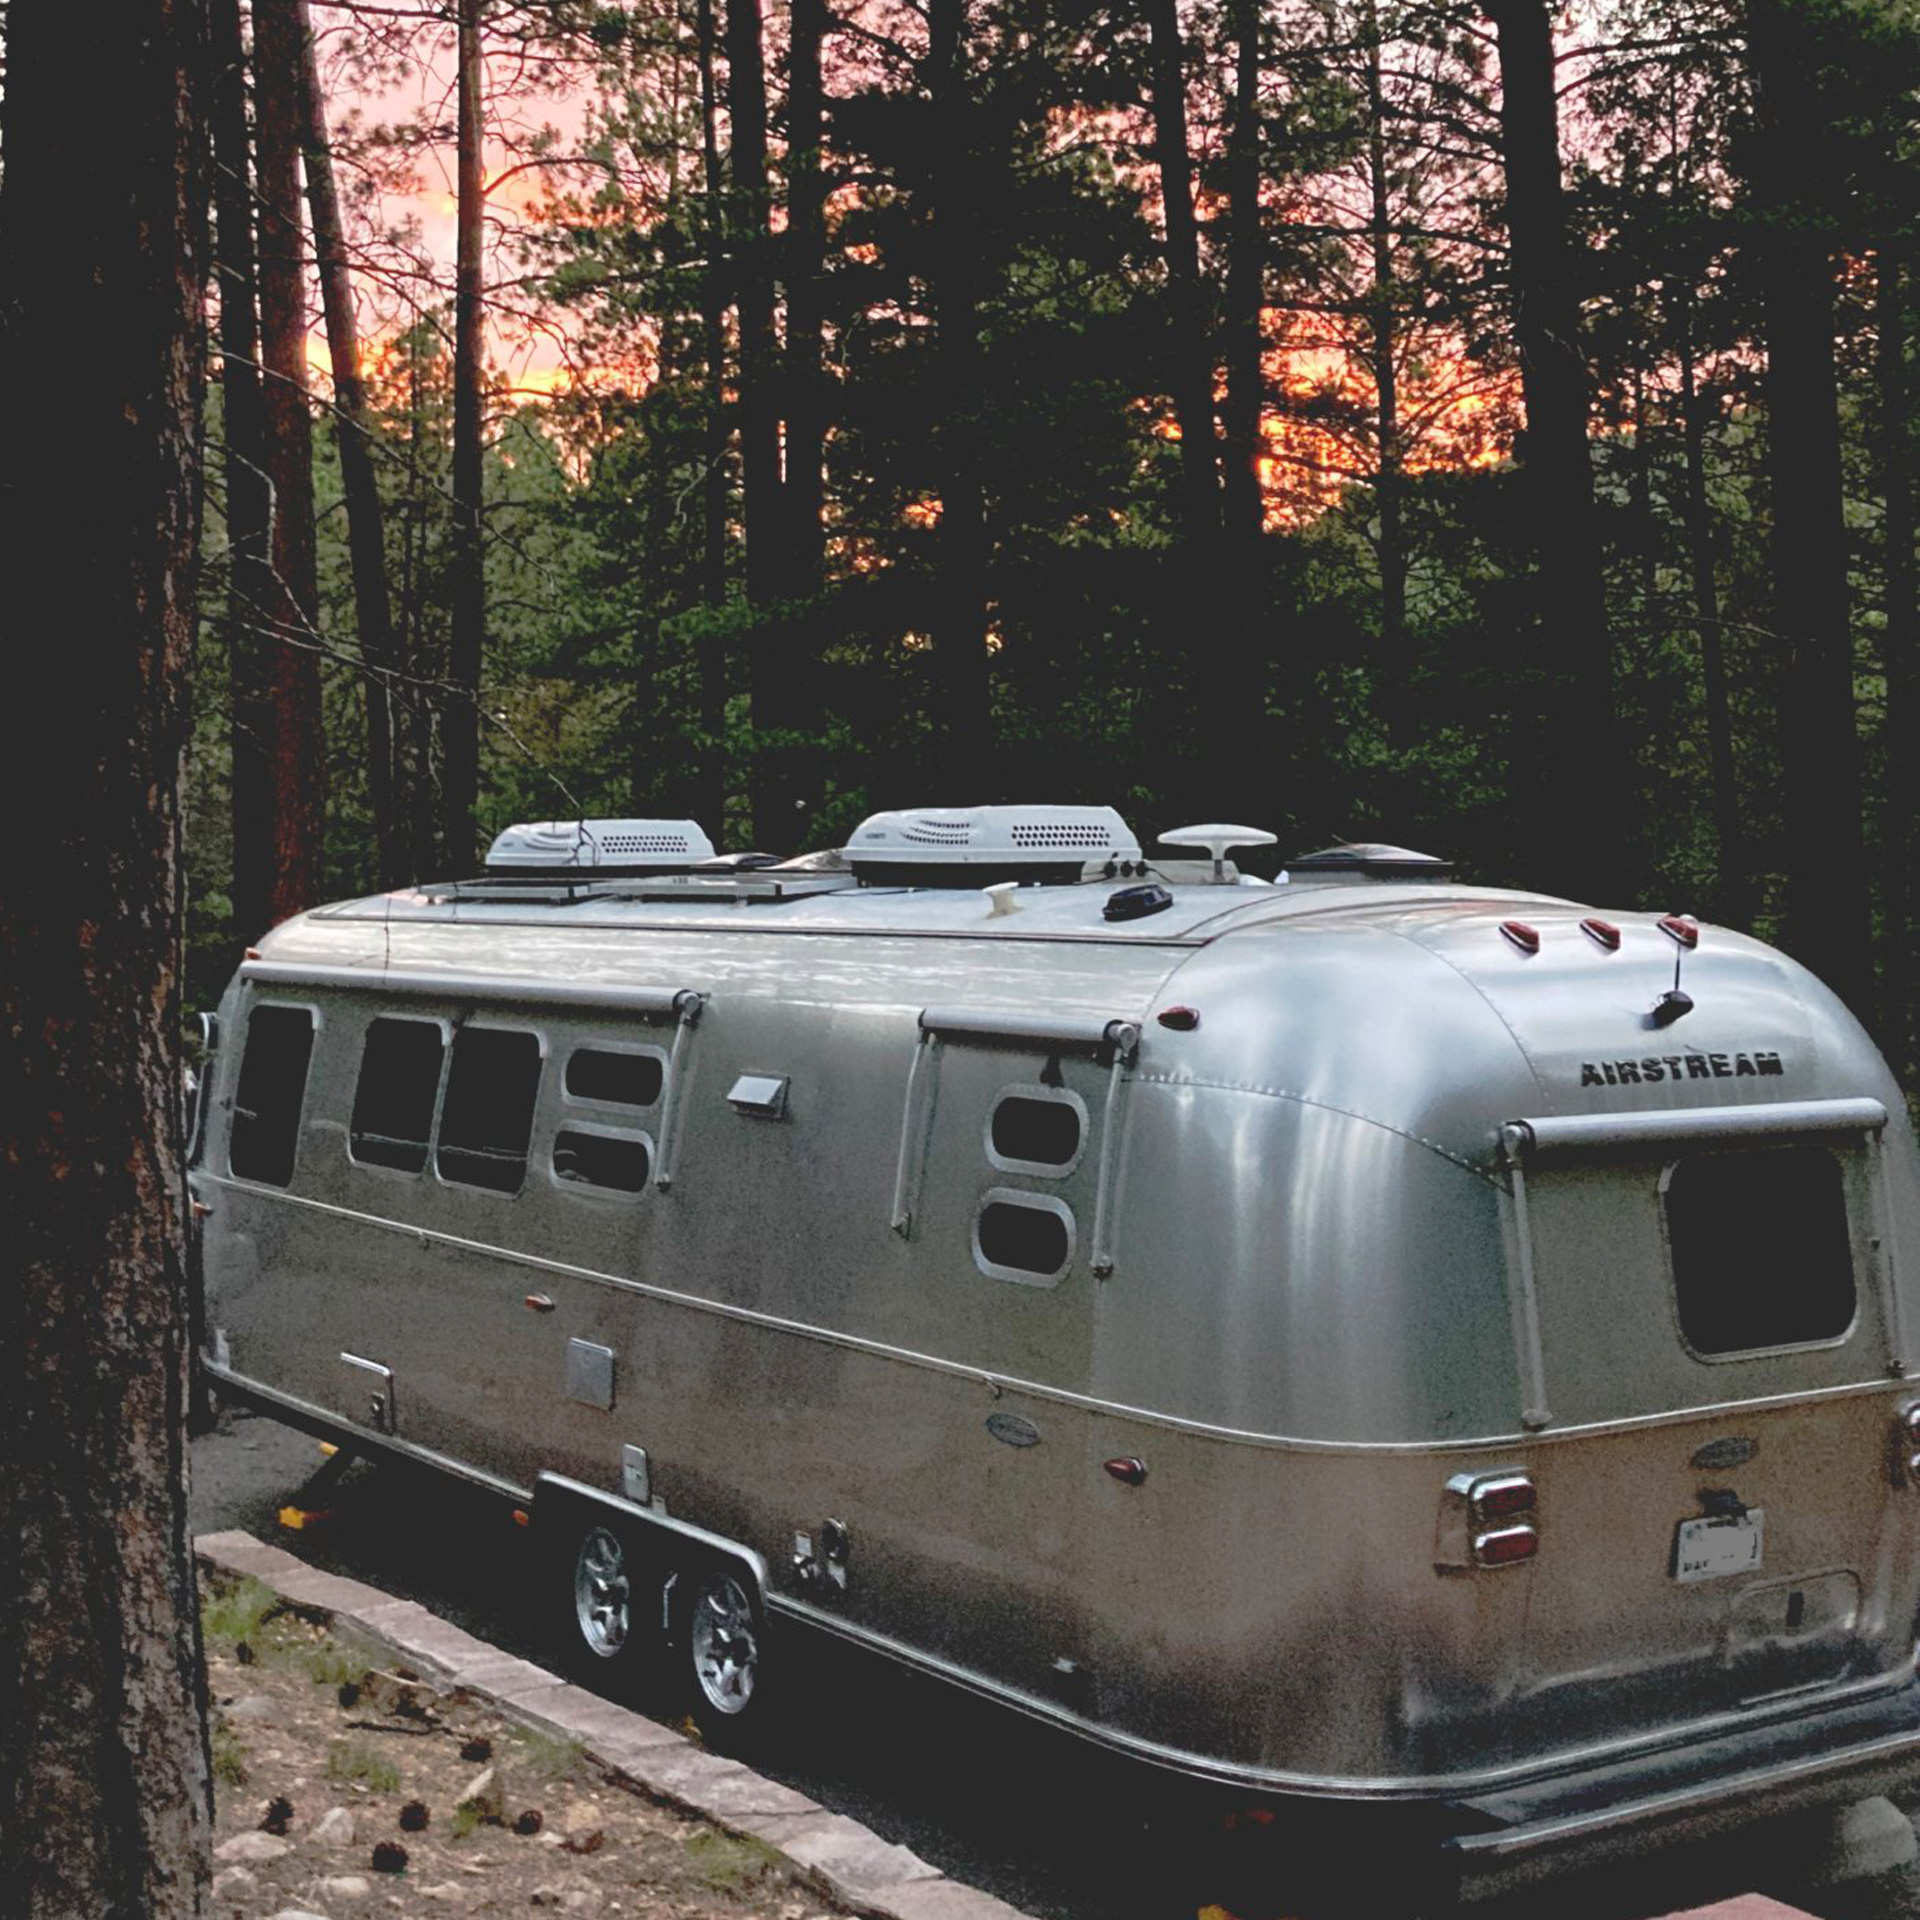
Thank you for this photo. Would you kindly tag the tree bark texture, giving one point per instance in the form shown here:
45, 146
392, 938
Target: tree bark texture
354, 436
1190, 357
105, 1807
251, 594
299, 773
962, 723
1585, 767
460, 723
1828, 918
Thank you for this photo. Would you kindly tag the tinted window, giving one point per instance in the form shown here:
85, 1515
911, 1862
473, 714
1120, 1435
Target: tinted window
1027, 1239
487, 1120
393, 1104
273, 1084
596, 1160
1044, 1133
626, 1079
1762, 1256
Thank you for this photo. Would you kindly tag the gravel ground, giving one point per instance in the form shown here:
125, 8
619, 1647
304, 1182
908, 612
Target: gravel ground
344, 1792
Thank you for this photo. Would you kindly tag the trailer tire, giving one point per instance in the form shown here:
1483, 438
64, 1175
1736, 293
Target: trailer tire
720, 1642
606, 1621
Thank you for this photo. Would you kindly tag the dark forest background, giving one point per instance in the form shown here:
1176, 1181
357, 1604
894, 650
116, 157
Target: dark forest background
1487, 428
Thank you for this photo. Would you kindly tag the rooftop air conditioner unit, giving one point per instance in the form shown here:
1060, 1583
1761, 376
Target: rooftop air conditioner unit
601, 847
974, 846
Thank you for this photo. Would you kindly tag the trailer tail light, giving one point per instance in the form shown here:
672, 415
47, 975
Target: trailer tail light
1502, 1499
1686, 932
1603, 933
1526, 938
1505, 1546
1487, 1520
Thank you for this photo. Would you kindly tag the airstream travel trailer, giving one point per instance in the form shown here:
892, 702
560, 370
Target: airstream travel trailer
1359, 1336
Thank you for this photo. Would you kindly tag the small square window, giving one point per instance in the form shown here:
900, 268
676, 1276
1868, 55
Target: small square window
619, 1163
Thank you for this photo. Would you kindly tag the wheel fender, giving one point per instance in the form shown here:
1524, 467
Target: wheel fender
555, 1497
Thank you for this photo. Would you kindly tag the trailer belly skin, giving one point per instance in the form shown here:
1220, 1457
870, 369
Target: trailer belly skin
1284, 1335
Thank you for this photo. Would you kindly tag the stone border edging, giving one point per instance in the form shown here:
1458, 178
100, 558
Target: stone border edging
845, 1860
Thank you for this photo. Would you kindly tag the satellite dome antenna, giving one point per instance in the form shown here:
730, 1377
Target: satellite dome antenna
1217, 838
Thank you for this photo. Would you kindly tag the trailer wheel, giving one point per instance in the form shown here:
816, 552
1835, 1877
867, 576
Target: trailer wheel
603, 1613
722, 1644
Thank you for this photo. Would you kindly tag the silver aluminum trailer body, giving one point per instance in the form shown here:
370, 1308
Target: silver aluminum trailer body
1393, 1225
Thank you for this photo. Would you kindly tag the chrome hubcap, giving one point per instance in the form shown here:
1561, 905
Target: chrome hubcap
726, 1647
602, 1594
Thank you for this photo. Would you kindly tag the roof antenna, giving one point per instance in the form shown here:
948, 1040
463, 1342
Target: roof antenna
1674, 1004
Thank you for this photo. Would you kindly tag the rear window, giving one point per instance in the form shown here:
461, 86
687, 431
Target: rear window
1762, 1251
273, 1087
393, 1102
487, 1120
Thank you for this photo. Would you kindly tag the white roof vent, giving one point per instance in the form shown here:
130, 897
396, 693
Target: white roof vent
963, 846
619, 846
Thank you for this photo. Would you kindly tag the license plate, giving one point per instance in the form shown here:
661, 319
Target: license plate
1713, 1548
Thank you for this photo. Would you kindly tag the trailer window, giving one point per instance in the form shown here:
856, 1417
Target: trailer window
1762, 1252
273, 1087
487, 1120
1030, 1130
620, 1079
618, 1162
1024, 1238
393, 1102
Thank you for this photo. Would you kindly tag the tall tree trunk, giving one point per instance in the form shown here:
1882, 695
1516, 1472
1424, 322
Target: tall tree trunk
1246, 289
298, 738
1736, 900
1828, 920
105, 1803
250, 584
712, 784
467, 594
805, 251
353, 435
1585, 766
418, 712
1190, 374
763, 512
962, 725
1902, 643
1382, 309
803, 493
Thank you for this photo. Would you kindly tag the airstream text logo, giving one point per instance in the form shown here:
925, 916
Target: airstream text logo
1678, 1066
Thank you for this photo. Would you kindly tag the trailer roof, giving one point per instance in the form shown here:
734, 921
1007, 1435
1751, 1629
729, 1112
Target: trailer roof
1194, 915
